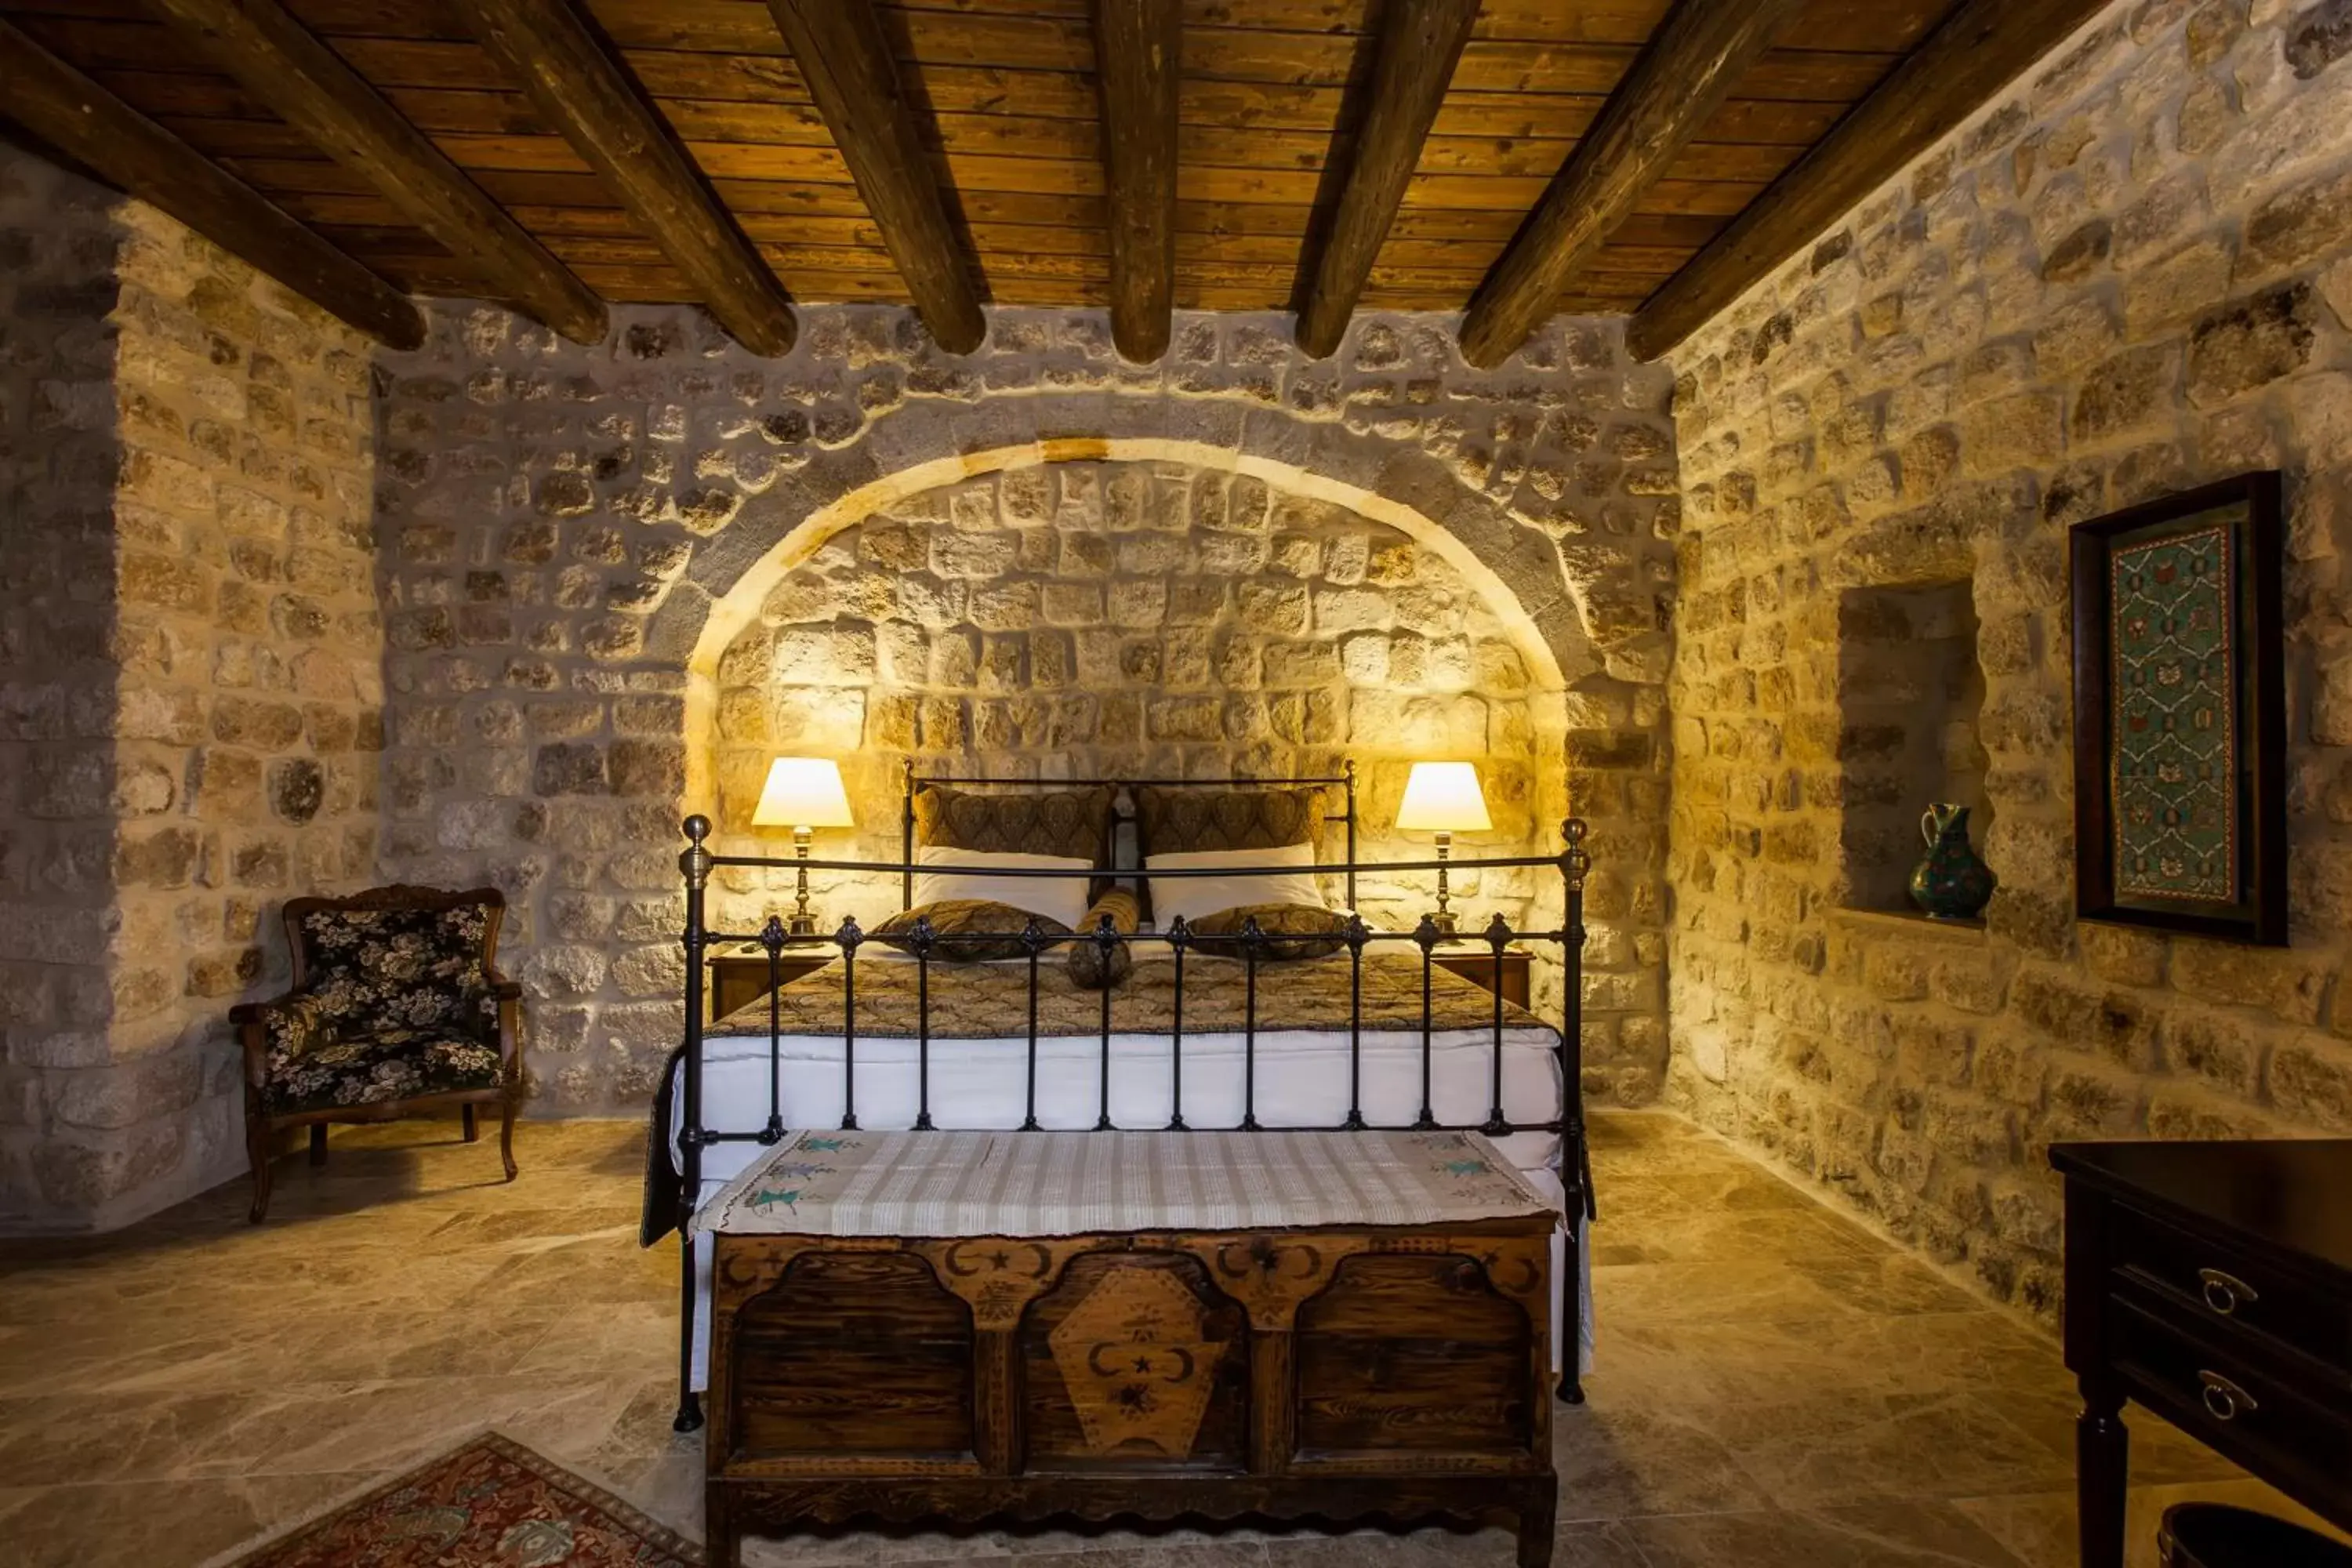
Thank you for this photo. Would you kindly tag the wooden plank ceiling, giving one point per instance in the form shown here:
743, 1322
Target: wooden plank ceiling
1003, 93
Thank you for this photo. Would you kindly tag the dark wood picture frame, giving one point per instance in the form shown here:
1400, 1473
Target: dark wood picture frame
2250, 504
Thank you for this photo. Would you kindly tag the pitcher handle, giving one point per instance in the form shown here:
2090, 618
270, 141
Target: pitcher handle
1927, 826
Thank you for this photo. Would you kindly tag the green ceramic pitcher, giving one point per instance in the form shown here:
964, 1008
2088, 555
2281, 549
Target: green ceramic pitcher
1950, 882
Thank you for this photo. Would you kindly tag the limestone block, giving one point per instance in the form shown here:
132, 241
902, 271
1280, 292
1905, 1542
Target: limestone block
2170, 291
2125, 393
2250, 344
569, 768
2020, 431
1138, 603
2301, 224
2311, 1082
1006, 606
2288, 985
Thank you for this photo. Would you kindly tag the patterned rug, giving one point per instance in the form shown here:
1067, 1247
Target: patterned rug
490, 1502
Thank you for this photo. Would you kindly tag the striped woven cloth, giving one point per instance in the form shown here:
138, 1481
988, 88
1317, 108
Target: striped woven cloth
1077, 1183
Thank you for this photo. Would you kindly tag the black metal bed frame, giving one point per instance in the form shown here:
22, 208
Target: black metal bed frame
1255, 944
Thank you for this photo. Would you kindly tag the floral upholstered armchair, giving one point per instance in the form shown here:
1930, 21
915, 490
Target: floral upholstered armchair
397, 1006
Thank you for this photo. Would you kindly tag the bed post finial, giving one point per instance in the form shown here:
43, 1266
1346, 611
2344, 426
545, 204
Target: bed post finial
697, 862
1575, 860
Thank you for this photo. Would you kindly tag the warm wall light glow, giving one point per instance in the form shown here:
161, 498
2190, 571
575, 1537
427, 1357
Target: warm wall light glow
1443, 797
803, 791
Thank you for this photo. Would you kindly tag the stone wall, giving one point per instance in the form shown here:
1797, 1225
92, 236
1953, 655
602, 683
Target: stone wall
57, 462
573, 536
1133, 620
2130, 275
193, 691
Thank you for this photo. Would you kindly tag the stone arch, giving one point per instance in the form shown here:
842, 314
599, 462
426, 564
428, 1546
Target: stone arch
1538, 643
729, 614
960, 623
1514, 566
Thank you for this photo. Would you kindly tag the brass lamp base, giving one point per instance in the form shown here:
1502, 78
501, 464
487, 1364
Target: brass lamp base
804, 920
1442, 919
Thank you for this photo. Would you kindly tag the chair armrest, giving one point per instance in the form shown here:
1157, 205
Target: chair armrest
283, 1027
246, 1013
504, 990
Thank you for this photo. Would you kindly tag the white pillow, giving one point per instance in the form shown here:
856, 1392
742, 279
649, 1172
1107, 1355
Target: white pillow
1192, 896
1062, 899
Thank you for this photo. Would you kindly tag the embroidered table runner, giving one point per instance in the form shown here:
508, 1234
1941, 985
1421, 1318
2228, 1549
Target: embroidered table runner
1074, 1183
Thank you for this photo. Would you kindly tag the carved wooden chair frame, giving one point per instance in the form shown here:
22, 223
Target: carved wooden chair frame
250, 1018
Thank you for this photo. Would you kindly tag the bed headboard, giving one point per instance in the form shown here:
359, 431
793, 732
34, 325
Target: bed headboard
1122, 808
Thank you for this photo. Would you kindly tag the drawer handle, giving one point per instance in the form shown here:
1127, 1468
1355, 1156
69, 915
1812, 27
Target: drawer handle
2224, 1399
2225, 1293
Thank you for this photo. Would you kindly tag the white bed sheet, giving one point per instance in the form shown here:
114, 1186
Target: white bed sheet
1300, 1079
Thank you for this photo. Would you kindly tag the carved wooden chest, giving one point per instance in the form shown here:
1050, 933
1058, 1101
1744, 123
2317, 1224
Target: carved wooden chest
1331, 1372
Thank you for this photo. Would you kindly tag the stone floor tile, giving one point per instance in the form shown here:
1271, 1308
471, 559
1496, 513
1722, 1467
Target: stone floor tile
1890, 1536
1841, 1448
159, 1523
1373, 1549
1881, 1282
1734, 1290
1621, 1461
1601, 1543
1705, 1236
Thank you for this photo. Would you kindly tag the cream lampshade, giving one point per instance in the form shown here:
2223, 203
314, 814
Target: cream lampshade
1443, 798
803, 793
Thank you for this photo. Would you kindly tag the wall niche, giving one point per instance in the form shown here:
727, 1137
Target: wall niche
1143, 619
1910, 699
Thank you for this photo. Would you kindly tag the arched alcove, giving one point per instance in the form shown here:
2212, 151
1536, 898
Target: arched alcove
1112, 611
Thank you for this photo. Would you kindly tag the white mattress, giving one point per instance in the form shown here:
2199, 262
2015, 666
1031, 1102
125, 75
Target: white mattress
1300, 1077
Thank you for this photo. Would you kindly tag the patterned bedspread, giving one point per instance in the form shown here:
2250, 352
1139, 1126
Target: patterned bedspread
990, 1001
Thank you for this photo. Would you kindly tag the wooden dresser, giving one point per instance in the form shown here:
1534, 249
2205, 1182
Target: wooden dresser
2213, 1284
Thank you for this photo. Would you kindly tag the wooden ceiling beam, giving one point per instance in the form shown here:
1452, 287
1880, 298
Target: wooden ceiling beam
286, 67
1688, 71
1420, 43
1138, 47
1981, 48
844, 57
86, 122
572, 78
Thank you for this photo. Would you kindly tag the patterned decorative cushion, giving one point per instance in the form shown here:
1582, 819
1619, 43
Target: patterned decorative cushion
370, 970
1053, 822
1293, 931
970, 930
369, 1067
1182, 821
1090, 965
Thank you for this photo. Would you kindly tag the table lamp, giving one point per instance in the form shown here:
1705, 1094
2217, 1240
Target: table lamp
1443, 798
803, 793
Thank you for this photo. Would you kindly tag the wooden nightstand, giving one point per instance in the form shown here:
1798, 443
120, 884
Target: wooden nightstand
739, 971
1481, 966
